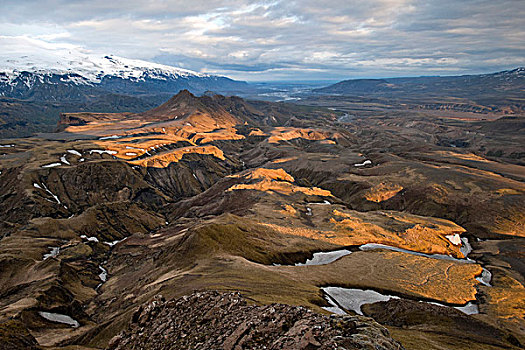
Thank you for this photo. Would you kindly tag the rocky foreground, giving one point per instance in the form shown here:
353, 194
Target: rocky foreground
213, 320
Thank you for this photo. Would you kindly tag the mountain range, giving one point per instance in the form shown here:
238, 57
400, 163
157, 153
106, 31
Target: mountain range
112, 228
509, 82
35, 89
54, 75
38, 84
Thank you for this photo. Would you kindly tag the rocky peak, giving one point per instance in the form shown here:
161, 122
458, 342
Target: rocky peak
182, 104
183, 95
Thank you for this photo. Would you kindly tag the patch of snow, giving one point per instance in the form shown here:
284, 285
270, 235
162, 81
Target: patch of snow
325, 202
485, 277
113, 243
195, 176
72, 151
346, 118
335, 309
366, 162
53, 195
53, 253
140, 149
59, 318
64, 160
466, 248
109, 137
103, 274
101, 151
324, 258
81, 160
454, 239
308, 211
470, 308
89, 239
44, 187
52, 165
7, 146
353, 299
131, 154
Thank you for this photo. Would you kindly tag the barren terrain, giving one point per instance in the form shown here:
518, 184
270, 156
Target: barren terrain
219, 193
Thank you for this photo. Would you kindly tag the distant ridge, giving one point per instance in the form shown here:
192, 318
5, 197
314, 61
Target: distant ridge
508, 82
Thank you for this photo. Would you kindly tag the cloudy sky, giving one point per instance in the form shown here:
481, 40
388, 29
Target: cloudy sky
285, 40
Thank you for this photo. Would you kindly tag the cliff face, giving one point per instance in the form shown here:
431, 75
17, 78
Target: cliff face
212, 320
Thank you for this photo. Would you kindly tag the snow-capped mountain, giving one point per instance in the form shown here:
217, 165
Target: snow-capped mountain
39, 70
81, 69
508, 75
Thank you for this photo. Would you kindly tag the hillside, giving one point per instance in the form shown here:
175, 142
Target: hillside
509, 82
285, 204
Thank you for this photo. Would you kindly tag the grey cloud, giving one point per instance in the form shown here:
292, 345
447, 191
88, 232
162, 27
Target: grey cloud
274, 39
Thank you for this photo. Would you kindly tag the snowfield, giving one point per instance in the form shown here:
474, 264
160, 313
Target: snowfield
75, 65
60, 318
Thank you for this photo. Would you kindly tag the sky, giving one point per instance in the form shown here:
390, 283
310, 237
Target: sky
284, 40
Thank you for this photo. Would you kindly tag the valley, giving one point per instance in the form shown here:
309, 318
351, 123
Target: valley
303, 205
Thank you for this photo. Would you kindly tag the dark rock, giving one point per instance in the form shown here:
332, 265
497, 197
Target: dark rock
213, 320
14, 336
416, 315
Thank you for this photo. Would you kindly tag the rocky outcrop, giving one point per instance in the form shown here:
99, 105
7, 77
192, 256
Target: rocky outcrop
14, 336
409, 314
275, 180
164, 159
286, 134
212, 320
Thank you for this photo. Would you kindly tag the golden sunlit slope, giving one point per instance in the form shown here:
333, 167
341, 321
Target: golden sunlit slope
219, 193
